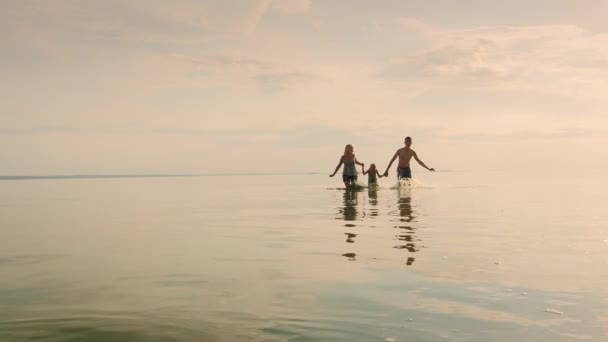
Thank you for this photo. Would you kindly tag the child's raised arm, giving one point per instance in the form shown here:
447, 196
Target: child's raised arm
363, 169
378, 174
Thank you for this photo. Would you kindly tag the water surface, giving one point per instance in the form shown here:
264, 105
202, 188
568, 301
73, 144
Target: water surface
460, 256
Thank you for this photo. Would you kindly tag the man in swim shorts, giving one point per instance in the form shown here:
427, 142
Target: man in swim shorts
405, 154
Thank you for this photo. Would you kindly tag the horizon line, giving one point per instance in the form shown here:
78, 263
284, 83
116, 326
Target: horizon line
151, 175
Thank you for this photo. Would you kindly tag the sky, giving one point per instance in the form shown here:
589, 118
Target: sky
184, 86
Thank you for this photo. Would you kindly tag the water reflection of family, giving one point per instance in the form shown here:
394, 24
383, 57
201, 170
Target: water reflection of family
405, 223
406, 234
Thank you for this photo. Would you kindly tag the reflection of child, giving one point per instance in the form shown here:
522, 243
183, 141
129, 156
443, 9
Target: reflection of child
372, 172
349, 174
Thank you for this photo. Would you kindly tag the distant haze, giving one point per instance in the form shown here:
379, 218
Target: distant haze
282, 85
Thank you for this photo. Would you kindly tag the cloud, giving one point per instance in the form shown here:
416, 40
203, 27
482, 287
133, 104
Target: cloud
416, 25
445, 62
270, 76
230, 61
60, 27
292, 6
256, 15
532, 134
555, 59
263, 6
93, 22
281, 80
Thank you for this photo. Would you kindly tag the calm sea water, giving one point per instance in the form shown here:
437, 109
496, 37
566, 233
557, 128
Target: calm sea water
460, 256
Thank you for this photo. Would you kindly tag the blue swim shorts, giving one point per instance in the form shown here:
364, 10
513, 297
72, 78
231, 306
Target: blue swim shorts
404, 172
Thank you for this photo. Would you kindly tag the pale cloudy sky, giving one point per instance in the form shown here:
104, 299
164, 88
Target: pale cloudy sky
109, 86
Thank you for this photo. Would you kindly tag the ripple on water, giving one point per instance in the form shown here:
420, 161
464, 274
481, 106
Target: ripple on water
99, 328
17, 260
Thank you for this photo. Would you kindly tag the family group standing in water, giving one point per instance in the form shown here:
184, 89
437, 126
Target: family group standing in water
349, 173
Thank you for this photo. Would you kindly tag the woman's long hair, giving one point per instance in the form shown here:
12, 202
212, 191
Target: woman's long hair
348, 150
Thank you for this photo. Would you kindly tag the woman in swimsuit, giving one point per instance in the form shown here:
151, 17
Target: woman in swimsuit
349, 174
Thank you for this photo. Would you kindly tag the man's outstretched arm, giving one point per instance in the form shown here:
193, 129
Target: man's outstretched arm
421, 163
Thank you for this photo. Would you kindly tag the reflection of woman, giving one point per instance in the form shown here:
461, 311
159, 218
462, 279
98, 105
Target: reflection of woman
350, 205
349, 174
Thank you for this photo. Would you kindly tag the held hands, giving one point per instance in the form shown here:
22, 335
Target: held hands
431, 169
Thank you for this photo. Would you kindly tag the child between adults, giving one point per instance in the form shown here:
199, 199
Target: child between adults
371, 173
349, 173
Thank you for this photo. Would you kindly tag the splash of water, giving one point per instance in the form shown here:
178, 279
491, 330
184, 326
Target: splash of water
411, 183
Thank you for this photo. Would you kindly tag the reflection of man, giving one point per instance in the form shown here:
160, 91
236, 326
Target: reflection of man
405, 209
405, 154
407, 232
